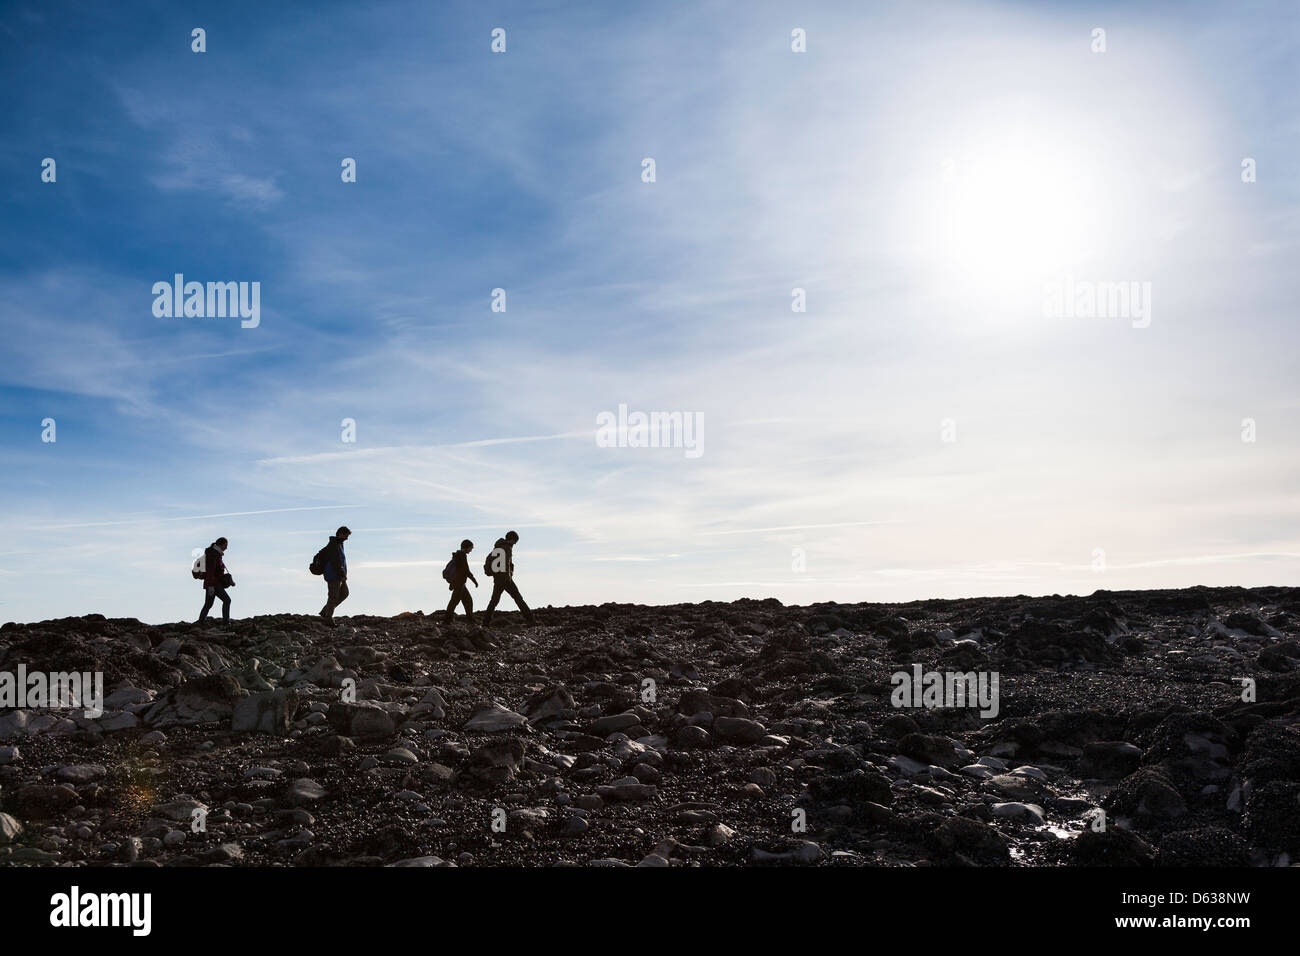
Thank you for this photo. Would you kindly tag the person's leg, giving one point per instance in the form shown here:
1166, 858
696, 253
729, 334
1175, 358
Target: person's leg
498, 588
459, 595
331, 600
519, 600
225, 605
210, 596
343, 593
451, 605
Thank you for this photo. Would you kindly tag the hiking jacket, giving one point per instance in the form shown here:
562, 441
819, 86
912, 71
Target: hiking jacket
336, 562
214, 568
505, 546
460, 569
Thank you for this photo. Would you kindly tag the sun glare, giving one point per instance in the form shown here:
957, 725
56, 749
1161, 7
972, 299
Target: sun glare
1009, 215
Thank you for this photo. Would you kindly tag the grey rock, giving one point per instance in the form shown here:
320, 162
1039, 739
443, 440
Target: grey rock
305, 791
493, 719
738, 730
266, 713
77, 774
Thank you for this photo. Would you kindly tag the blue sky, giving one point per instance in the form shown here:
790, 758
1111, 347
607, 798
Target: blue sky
923, 172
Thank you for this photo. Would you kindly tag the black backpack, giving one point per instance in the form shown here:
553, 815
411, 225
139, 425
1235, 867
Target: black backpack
317, 565
449, 572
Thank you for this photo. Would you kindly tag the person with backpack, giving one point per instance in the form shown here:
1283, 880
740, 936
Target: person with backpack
500, 564
456, 573
332, 563
215, 579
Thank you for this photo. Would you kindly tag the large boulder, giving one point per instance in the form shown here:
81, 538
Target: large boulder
208, 698
1205, 846
1114, 846
39, 801
931, 749
1110, 759
492, 718
1148, 795
971, 841
362, 720
1272, 752
1193, 748
1272, 817
267, 713
738, 730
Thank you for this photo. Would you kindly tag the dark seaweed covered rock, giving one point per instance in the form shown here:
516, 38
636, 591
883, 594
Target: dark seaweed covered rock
682, 735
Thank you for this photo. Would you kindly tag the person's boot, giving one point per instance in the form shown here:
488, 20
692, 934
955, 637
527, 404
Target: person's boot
487, 618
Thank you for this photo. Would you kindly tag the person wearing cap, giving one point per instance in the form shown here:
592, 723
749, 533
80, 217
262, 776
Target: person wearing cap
336, 573
500, 564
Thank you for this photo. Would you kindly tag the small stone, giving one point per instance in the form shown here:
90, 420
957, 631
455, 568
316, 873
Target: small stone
573, 826
615, 722
305, 790
629, 789
494, 719
739, 730
82, 773
718, 835
762, 776
1029, 812
180, 810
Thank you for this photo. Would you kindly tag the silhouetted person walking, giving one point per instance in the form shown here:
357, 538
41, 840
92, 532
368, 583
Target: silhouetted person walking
500, 564
456, 573
334, 565
216, 579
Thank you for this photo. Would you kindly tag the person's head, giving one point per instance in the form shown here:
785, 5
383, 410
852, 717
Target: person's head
512, 537
343, 533
467, 545
222, 543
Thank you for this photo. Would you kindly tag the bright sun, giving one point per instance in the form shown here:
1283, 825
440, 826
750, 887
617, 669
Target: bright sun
1009, 215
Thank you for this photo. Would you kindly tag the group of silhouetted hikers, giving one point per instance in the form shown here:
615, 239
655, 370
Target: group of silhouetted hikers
331, 563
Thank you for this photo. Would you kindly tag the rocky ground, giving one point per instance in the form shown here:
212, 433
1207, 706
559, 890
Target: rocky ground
699, 734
